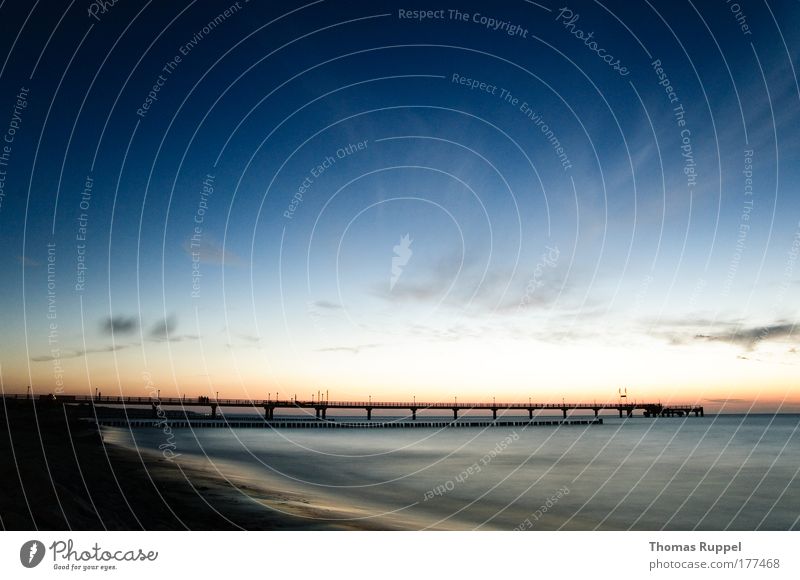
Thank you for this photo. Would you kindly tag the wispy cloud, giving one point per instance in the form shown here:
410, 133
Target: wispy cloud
727, 400
119, 325
207, 251
351, 349
472, 286
165, 331
28, 262
72, 353
326, 305
749, 337
163, 328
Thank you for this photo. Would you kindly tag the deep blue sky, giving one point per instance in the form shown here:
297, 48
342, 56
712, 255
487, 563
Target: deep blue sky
531, 270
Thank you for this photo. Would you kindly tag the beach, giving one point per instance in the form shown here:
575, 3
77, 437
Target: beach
60, 475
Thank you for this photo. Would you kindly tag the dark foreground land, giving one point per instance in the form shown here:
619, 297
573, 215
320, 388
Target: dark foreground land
57, 474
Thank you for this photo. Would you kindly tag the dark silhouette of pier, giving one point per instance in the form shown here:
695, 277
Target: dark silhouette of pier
322, 406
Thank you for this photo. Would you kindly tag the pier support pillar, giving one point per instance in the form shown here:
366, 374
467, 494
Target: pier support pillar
413, 414
530, 414
324, 413
455, 414
214, 411
630, 412
494, 414
155, 410
269, 413
620, 413
702, 414
316, 409
369, 413
564, 410
596, 412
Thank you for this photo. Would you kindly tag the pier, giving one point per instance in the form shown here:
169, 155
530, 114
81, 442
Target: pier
320, 408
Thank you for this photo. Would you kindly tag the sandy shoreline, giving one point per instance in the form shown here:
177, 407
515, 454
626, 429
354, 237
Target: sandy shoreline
61, 475
236, 500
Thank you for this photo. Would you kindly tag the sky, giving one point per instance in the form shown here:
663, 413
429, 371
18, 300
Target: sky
512, 200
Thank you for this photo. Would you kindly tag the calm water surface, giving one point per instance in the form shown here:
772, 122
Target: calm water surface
724, 472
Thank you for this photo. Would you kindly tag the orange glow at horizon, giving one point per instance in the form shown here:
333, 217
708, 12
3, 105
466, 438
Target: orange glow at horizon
472, 370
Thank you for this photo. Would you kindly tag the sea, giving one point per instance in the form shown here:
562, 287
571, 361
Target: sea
718, 472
